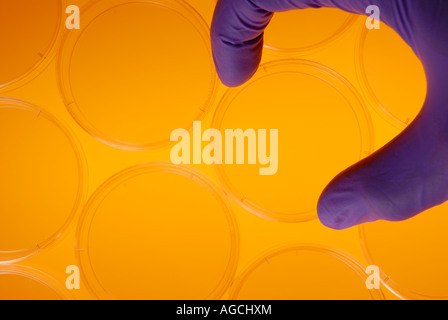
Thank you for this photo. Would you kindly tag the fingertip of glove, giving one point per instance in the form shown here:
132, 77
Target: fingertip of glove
233, 79
235, 64
341, 206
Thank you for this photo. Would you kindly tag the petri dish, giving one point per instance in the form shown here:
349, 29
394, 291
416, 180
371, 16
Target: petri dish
136, 71
157, 231
392, 77
24, 283
42, 181
30, 32
323, 128
304, 272
411, 254
304, 30
205, 8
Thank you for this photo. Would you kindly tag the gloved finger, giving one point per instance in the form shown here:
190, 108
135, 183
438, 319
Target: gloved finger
238, 25
408, 175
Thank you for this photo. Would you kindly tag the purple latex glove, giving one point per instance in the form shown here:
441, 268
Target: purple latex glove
407, 176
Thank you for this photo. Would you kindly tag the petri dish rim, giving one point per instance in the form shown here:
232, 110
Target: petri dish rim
44, 62
17, 255
364, 83
303, 67
37, 276
290, 247
324, 43
397, 289
92, 11
83, 231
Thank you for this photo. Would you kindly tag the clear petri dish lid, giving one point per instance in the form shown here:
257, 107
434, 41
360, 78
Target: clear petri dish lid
136, 71
323, 128
25, 283
205, 8
304, 272
30, 33
411, 254
157, 231
392, 77
305, 30
42, 181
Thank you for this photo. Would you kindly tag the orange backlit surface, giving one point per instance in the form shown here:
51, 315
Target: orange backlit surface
86, 178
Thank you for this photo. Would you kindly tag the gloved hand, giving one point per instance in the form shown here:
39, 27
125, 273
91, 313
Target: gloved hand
407, 176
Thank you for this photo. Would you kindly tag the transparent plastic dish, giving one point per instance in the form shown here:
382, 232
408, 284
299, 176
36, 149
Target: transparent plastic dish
42, 180
304, 30
205, 8
136, 71
413, 254
24, 283
323, 128
304, 272
157, 231
29, 37
391, 76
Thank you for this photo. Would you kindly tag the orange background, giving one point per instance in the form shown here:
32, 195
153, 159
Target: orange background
388, 62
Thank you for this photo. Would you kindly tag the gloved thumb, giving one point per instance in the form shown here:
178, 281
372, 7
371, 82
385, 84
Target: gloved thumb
407, 176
